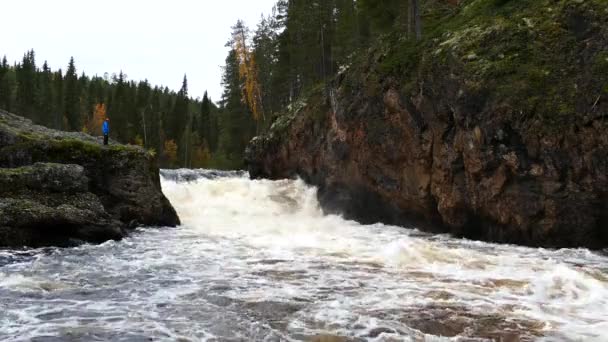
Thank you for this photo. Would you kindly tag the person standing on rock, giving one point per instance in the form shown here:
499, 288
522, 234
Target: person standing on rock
106, 131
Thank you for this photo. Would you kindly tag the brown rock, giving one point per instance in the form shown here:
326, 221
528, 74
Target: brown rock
449, 155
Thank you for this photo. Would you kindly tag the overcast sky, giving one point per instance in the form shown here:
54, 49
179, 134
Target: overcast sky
155, 39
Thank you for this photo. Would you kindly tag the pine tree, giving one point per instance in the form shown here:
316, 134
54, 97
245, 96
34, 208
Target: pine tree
117, 110
166, 110
346, 36
214, 131
87, 107
45, 88
265, 50
414, 20
143, 109
27, 95
5, 88
72, 98
305, 54
205, 120
179, 115
180, 120
58, 100
130, 112
235, 120
381, 13
282, 79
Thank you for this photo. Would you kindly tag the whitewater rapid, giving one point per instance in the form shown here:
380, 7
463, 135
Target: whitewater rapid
259, 261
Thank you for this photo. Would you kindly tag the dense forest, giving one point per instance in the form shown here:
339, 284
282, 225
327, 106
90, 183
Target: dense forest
171, 123
298, 47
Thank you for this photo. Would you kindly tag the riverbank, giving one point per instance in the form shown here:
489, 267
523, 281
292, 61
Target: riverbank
63, 188
492, 127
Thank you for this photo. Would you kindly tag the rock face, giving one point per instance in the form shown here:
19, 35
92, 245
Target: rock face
59, 188
455, 143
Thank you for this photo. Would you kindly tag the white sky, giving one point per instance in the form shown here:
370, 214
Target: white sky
155, 39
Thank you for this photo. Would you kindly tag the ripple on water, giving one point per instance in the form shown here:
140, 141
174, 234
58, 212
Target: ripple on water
257, 260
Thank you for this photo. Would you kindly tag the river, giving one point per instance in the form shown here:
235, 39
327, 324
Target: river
258, 261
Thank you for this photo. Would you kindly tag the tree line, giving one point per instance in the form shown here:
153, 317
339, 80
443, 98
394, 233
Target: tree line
183, 131
299, 46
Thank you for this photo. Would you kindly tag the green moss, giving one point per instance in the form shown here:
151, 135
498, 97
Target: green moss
75, 150
402, 58
123, 148
31, 136
12, 179
600, 65
8, 173
282, 122
70, 148
524, 53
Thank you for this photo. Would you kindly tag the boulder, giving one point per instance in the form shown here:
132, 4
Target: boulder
63, 188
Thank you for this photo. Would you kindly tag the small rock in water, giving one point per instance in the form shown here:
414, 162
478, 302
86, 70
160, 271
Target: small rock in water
379, 331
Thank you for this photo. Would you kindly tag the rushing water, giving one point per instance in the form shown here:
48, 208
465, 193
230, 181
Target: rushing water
258, 261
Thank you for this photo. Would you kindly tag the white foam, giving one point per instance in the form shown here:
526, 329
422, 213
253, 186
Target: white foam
19, 282
245, 244
284, 219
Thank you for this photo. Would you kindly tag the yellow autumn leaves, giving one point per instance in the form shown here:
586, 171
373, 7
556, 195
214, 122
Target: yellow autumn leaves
94, 123
248, 73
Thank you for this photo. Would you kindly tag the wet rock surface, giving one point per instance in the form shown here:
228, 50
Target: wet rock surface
534, 190
60, 188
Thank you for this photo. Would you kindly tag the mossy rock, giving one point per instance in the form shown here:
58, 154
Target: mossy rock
70, 184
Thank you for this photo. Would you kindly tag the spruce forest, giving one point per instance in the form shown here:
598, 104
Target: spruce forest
299, 47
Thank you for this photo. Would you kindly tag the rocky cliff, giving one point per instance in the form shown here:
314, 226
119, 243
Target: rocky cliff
494, 127
59, 188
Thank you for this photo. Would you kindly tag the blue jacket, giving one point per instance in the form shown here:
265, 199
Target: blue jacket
106, 128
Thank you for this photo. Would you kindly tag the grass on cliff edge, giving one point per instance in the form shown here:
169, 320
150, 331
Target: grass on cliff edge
547, 59
69, 148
